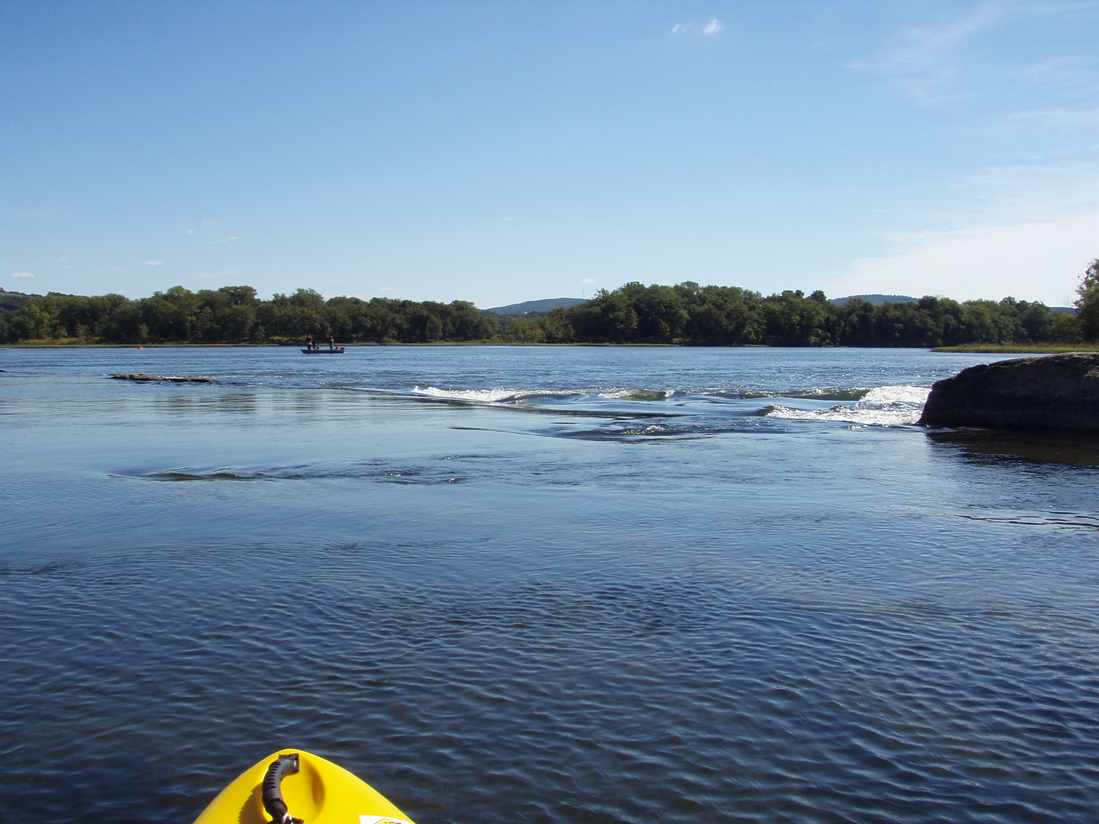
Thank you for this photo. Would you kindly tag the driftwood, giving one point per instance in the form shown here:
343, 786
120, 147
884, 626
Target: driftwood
143, 378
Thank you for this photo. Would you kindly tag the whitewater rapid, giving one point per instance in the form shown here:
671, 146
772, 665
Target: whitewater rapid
898, 405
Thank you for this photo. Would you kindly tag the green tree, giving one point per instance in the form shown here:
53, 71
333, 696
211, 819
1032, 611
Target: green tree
1066, 328
555, 327
1087, 302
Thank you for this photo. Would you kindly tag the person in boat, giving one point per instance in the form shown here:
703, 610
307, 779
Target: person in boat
309, 344
331, 344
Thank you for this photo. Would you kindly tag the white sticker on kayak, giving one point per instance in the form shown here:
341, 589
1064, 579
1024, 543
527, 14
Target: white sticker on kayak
382, 819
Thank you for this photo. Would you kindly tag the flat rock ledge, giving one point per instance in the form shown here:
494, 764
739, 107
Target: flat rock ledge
141, 377
1056, 393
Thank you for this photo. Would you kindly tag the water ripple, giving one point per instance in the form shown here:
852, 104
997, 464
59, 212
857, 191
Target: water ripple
707, 697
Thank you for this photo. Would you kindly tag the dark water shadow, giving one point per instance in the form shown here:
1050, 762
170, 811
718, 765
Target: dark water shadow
63, 567
1064, 520
993, 446
378, 471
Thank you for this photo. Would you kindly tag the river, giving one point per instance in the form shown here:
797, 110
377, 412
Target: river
541, 584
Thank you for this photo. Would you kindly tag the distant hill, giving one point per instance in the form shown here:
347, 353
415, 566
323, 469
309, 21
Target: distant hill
875, 300
536, 307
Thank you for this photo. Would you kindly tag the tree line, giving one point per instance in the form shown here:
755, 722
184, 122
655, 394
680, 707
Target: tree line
686, 313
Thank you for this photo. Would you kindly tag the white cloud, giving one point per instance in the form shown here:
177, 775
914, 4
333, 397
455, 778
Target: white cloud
22, 275
589, 281
228, 239
710, 28
1027, 231
1041, 260
154, 263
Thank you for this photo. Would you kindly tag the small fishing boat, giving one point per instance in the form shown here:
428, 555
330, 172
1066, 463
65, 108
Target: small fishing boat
335, 350
295, 786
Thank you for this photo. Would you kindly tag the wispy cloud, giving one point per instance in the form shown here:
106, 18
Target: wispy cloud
707, 28
229, 239
1059, 117
1066, 81
927, 61
1070, 66
922, 60
22, 275
154, 263
1024, 231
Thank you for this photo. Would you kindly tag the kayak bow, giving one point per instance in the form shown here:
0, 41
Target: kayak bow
296, 786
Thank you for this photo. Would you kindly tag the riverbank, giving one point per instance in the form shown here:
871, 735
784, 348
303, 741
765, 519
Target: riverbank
1021, 348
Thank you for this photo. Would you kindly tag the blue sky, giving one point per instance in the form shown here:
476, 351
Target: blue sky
500, 152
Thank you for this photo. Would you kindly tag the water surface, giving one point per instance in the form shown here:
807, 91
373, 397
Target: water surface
542, 584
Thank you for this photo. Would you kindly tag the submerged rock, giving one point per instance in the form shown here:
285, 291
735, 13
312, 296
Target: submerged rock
143, 378
1052, 393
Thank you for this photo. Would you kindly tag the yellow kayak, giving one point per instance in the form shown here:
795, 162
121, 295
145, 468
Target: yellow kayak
290, 786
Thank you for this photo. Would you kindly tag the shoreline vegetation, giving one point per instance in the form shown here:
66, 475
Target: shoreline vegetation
1037, 348
635, 314
75, 342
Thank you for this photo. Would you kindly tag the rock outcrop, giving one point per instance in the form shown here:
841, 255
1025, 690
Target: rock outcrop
1052, 393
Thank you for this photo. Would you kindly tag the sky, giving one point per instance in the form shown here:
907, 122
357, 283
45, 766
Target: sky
507, 151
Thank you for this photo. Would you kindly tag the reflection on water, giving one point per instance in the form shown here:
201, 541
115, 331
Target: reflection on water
1080, 450
824, 615
186, 403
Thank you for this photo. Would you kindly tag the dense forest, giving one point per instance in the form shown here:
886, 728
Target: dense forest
686, 313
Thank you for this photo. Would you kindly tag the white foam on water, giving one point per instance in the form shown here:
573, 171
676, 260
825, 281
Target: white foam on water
898, 394
506, 395
881, 406
487, 395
